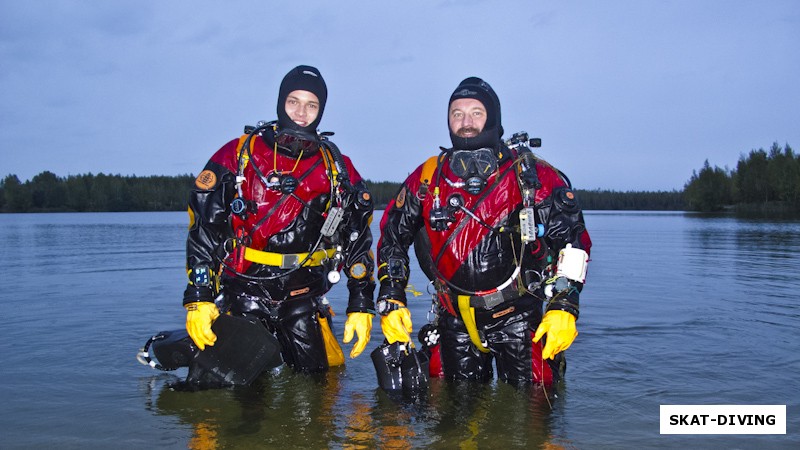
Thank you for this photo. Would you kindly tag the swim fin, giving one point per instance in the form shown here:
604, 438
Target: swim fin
244, 349
174, 349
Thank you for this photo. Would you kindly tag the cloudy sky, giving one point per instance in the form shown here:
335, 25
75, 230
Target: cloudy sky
625, 94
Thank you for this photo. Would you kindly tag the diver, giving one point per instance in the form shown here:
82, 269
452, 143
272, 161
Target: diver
274, 216
501, 236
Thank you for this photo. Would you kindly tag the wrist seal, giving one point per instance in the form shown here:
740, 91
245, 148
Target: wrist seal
385, 306
392, 291
565, 301
197, 294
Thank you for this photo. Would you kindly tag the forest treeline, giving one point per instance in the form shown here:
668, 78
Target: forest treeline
764, 181
47, 192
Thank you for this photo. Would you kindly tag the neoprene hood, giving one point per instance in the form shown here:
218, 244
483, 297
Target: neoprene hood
476, 88
305, 78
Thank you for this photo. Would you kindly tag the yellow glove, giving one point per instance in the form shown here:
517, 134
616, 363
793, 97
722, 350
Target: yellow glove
359, 323
560, 328
397, 325
199, 317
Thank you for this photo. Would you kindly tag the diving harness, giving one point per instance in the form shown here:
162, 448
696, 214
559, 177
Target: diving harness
341, 192
443, 217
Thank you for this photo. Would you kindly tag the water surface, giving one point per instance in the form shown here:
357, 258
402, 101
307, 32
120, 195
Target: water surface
678, 309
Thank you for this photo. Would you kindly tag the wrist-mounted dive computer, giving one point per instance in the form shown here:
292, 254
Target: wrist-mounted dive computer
384, 307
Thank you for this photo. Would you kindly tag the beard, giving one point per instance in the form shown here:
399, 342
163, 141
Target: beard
467, 132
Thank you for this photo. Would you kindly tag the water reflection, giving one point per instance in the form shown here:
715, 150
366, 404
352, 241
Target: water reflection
678, 309
279, 409
287, 410
752, 255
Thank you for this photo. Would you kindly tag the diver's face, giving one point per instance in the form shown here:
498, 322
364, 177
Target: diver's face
467, 117
302, 107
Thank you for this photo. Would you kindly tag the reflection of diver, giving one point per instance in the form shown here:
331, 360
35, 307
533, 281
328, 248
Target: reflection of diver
476, 415
274, 216
276, 411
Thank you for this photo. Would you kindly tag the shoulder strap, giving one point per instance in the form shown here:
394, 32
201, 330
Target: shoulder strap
333, 171
428, 167
426, 175
242, 156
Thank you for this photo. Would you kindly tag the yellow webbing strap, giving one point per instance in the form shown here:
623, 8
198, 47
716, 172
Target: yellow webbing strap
332, 171
468, 316
246, 157
287, 260
327, 158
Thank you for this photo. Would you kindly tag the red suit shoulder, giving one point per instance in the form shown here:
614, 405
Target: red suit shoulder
549, 178
227, 156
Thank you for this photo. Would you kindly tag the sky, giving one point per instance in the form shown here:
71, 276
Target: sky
626, 95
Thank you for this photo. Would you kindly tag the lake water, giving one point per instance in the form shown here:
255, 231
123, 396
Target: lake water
677, 309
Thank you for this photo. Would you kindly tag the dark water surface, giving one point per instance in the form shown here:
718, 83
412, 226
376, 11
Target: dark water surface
678, 309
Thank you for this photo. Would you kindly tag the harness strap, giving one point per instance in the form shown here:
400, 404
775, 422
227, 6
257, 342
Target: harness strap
288, 261
468, 316
428, 167
333, 172
244, 158
426, 175
488, 300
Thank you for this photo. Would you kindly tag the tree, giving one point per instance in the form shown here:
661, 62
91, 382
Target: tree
783, 172
752, 178
710, 190
78, 187
17, 198
47, 192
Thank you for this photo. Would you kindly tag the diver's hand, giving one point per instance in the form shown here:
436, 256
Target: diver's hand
396, 325
199, 317
359, 323
561, 332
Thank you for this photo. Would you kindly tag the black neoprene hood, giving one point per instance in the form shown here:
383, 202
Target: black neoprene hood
304, 78
476, 88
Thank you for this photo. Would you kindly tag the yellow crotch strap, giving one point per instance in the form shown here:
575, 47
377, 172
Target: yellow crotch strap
468, 316
333, 351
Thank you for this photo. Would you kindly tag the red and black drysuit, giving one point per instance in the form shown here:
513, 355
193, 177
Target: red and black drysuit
479, 254
287, 299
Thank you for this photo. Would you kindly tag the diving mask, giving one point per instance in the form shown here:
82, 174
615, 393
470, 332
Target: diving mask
473, 163
474, 167
295, 141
